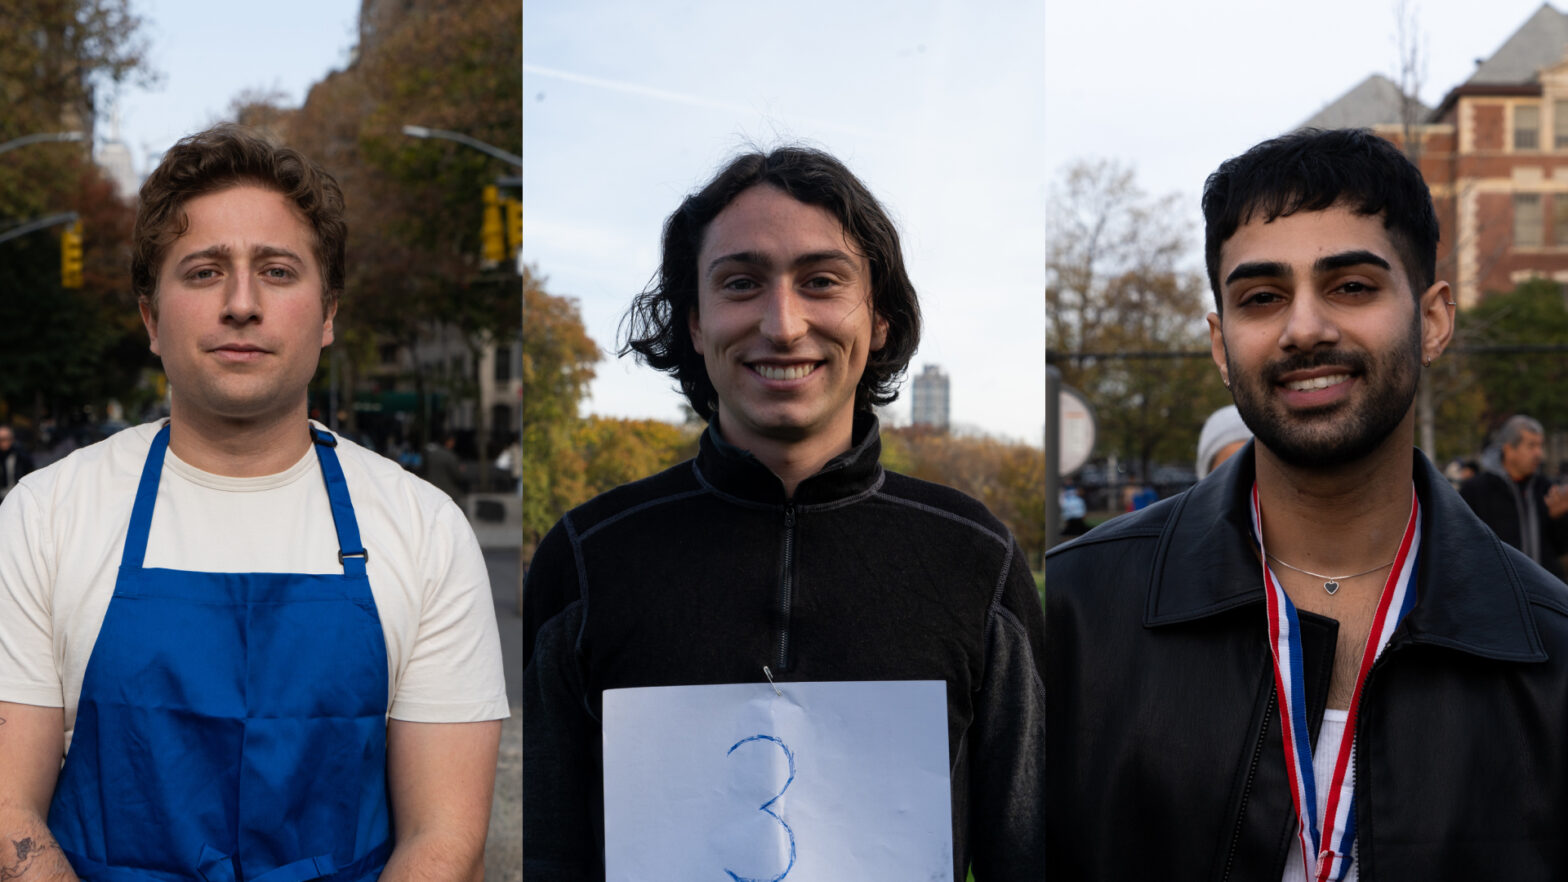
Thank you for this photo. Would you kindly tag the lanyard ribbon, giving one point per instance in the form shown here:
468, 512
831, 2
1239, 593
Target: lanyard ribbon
1333, 850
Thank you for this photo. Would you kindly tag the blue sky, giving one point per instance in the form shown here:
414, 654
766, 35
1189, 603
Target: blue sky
1176, 88
936, 104
210, 52
956, 114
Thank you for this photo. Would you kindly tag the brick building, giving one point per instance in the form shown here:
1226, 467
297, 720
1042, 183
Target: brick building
1495, 154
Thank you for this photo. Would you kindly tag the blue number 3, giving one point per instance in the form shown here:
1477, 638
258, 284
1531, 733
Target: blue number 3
764, 807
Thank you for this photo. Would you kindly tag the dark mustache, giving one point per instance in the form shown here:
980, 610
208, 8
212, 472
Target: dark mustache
1305, 361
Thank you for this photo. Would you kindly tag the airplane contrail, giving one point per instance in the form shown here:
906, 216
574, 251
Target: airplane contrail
679, 97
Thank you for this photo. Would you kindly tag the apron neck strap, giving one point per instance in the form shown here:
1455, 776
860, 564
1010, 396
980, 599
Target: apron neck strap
146, 494
351, 552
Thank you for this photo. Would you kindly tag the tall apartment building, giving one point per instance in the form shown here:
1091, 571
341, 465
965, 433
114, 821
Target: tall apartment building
1495, 154
929, 398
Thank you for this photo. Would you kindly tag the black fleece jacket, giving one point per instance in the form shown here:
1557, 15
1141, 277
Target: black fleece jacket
706, 572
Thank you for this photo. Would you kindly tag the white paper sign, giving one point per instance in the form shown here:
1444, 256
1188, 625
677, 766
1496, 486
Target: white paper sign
735, 783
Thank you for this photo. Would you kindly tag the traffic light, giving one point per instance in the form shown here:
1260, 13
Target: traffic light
71, 255
514, 225
491, 234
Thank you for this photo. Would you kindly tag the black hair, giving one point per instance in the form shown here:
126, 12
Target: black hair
1314, 170
656, 329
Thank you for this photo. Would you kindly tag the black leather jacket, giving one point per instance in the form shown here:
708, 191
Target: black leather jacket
1164, 756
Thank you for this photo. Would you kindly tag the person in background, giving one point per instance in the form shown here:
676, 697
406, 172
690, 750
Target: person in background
1223, 435
1459, 471
15, 461
1144, 497
441, 467
1522, 506
1074, 510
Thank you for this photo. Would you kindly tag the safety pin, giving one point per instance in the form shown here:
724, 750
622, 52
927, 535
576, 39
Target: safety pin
770, 681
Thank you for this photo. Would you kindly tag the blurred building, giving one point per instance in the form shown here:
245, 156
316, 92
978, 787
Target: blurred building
114, 157
1495, 154
929, 398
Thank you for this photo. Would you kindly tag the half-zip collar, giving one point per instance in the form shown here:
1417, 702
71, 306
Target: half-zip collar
742, 478
737, 473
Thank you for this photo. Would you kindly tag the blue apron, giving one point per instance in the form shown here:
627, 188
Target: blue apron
231, 726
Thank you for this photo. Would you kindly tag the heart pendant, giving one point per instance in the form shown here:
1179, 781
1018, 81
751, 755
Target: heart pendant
1331, 586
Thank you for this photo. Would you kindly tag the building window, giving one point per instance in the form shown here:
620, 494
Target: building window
1559, 220
1527, 220
1560, 125
1527, 127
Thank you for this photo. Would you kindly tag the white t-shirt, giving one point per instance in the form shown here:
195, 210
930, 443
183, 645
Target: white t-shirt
1330, 735
62, 530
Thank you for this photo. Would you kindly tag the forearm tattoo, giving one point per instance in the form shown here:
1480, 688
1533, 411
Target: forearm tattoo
30, 853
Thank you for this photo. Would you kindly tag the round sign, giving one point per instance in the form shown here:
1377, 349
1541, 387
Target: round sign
1075, 434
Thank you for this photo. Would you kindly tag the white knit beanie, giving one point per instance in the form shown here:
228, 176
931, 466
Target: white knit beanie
1223, 427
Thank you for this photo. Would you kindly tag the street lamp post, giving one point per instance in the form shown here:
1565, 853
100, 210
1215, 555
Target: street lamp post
40, 138
512, 159
459, 137
68, 217
53, 219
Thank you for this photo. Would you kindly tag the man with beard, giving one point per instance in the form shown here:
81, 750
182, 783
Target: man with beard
1302, 666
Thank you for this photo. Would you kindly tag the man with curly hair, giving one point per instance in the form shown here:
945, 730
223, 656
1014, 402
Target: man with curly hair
262, 651
783, 310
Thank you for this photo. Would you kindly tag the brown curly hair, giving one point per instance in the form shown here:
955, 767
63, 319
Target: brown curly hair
222, 157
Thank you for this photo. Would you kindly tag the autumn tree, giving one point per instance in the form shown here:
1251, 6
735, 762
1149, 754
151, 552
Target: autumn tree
414, 206
617, 451
558, 360
1125, 313
1009, 478
64, 348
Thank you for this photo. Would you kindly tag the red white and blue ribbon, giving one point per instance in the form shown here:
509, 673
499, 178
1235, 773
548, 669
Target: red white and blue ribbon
1332, 847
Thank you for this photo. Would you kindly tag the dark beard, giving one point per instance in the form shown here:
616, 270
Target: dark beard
1341, 433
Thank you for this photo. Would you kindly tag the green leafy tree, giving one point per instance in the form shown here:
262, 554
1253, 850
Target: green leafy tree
1534, 383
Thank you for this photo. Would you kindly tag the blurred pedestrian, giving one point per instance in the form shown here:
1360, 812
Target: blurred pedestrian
1144, 497
1459, 471
1074, 510
1223, 435
15, 461
443, 469
1522, 507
